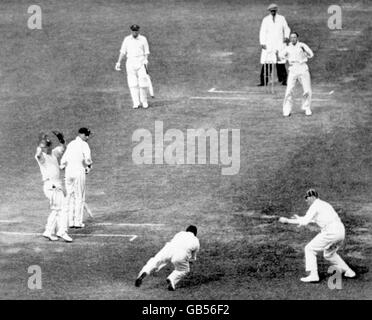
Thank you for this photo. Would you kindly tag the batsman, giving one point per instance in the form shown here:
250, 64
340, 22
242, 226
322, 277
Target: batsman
48, 158
136, 48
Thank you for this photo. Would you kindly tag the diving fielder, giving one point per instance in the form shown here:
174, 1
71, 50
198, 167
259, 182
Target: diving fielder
47, 158
136, 48
297, 53
77, 163
182, 249
328, 241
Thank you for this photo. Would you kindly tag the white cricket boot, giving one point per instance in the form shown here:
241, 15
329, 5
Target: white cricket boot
171, 286
140, 279
49, 236
312, 277
65, 237
349, 274
308, 112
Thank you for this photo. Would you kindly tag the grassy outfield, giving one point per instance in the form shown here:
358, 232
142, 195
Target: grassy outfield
62, 77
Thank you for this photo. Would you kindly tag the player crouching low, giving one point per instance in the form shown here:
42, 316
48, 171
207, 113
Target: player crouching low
327, 241
182, 249
48, 158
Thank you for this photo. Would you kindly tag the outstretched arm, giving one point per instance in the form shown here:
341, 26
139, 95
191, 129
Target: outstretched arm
293, 220
301, 221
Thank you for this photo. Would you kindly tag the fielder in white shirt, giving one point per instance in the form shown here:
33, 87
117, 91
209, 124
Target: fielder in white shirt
274, 34
136, 48
182, 249
48, 158
77, 162
297, 54
328, 241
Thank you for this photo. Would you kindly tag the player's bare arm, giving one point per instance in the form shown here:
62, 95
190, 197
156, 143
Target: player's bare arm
118, 63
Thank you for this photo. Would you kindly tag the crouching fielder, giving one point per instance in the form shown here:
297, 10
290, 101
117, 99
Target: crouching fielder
47, 158
328, 241
182, 249
136, 49
297, 53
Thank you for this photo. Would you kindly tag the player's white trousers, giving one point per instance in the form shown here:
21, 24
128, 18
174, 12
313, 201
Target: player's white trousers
328, 241
75, 199
137, 80
167, 254
58, 219
302, 75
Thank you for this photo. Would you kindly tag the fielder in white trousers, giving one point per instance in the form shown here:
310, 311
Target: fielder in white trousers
76, 161
75, 189
136, 48
328, 241
182, 249
47, 159
297, 54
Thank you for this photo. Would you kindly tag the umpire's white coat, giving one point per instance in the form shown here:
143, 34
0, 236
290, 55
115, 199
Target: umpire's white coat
272, 34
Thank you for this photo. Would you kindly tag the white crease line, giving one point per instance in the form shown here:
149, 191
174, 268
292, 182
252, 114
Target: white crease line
129, 224
213, 90
131, 236
220, 98
246, 98
9, 221
225, 91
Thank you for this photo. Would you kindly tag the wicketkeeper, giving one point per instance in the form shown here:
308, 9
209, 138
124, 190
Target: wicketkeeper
136, 48
328, 241
48, 158
182, 249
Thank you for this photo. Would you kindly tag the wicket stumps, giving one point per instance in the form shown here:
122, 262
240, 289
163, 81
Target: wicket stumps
269, 70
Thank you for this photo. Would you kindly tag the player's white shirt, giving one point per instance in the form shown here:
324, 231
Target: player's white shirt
76, 157
185, 241
296, 56
321, 213
49, 166
135, 47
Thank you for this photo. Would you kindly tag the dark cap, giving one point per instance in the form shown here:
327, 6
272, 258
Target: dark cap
311, 193
134, 27
85, 131
192, 229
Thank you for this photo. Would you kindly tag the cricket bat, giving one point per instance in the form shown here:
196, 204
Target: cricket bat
151, 89
88, 210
